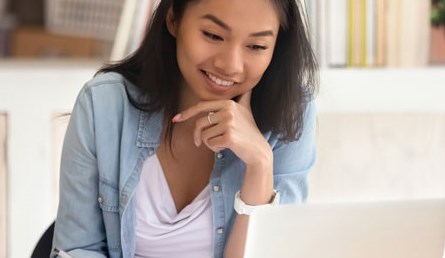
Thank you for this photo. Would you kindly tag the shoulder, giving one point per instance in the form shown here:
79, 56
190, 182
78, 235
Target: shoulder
109, 88
297, 156
310, 113
105, 83
105, 98
309, 124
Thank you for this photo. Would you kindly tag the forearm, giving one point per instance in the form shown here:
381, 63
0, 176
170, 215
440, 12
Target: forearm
257, 189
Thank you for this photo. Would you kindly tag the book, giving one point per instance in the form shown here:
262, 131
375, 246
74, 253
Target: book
6, 28
2, 7
3, 43
304, 15
357, 33
141, 18
321, 32
380, 33
312, 19
414, 26
371, 24
124, 30
393, 31
135, 19
336, 11
437, 46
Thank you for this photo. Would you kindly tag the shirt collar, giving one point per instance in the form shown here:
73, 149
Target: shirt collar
150, 129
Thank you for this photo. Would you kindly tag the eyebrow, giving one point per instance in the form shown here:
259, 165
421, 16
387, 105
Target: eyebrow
223, 25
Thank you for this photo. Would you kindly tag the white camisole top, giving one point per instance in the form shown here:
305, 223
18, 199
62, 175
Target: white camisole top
160, 230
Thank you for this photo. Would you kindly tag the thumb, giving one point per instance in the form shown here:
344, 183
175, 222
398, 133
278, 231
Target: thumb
244, 99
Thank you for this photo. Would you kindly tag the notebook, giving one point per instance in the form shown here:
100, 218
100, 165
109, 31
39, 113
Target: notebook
390, 229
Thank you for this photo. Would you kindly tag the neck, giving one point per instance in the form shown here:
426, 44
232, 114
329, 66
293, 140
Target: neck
183, 131
187, 98
182, 140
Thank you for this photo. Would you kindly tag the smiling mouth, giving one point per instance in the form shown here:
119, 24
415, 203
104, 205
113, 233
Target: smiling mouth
219, 81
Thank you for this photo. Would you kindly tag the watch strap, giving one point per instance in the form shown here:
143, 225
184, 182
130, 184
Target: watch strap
244, 209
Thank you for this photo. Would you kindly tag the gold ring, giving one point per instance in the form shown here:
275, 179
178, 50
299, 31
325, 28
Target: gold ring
209, 118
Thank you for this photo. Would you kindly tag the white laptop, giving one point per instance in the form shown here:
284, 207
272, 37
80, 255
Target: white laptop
391, 229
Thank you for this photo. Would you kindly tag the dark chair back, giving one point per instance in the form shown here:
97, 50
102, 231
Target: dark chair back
43, 247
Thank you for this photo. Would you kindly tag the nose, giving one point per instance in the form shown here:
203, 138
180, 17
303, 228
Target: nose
229, 61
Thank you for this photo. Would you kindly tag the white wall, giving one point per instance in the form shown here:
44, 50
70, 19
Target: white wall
379, 156
381, 135
31, 93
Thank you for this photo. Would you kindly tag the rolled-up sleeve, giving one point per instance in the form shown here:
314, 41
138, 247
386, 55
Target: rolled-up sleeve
79, 228
294, 160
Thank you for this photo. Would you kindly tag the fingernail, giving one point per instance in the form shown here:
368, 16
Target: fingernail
197, 142
176, 118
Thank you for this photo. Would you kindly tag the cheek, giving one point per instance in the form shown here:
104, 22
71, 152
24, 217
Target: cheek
258, 68
190, 49
181, 59
256, 72
187, 64
183, 55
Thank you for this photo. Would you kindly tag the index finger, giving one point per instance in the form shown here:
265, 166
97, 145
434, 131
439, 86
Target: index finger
203, 106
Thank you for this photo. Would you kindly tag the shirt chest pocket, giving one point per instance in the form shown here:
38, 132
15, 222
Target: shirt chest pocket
109, 203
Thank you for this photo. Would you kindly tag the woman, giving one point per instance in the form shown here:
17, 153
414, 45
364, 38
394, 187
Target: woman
215, 106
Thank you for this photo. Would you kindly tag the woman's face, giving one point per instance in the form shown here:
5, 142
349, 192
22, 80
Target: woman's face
223, 47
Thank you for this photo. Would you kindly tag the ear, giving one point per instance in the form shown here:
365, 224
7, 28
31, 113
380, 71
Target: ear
171, 23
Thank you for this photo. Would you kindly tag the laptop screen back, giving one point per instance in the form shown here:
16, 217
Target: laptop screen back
393, 229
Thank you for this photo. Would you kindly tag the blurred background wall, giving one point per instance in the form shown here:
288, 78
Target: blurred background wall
381, 122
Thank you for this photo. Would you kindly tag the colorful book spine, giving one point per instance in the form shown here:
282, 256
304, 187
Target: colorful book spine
321, 33
393, 33
337, 33
380, 33
372, 33
371, 25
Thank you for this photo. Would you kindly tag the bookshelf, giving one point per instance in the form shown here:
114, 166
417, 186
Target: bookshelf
58, 28
371, 33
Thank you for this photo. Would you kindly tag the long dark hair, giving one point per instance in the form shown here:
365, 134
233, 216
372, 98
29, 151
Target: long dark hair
278, 100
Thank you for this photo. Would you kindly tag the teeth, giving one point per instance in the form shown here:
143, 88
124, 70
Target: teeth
219, 81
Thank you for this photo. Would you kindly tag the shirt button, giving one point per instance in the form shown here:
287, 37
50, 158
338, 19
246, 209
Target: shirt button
216, 188
219, 155
220, 231
100, 199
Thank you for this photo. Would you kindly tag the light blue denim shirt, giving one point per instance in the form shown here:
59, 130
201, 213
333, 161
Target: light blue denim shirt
106, 143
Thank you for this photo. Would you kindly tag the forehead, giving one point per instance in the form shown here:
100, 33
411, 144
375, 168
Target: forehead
261, 14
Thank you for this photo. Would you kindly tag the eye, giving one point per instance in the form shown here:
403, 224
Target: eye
212, 36
257, 47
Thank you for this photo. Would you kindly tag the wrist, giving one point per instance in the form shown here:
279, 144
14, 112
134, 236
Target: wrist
262, 161
260, 151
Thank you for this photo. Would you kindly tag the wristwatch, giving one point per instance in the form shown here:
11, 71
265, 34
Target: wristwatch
244, 209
